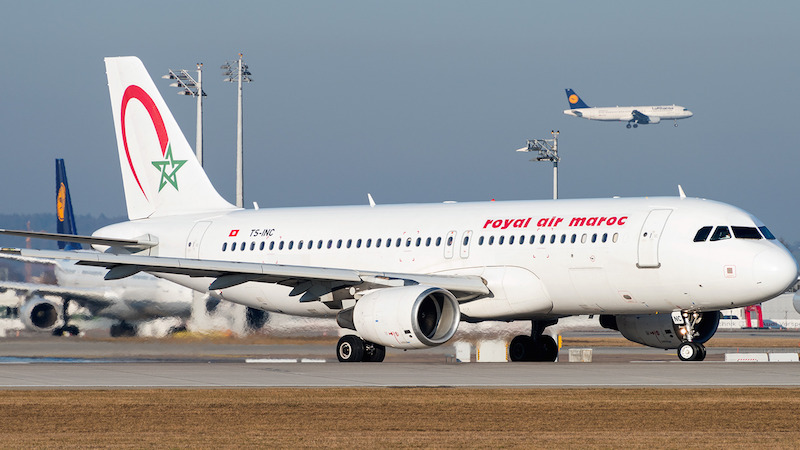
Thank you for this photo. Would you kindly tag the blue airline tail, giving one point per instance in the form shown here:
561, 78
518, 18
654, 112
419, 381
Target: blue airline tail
575, 102
65, 217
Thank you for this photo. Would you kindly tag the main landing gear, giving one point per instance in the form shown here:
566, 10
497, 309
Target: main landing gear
688, 350
66, 329
352, 348
537, 346
635, 125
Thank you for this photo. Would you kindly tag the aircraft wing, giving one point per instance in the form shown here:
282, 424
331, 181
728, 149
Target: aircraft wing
311, 282
84, 296
131, 244
639, 117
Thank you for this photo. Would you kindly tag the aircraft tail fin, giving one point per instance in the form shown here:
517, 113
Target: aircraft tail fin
65, 223
160, 173
575, 101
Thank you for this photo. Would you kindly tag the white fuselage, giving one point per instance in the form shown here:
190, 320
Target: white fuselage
138, 297
625, 113
538, 258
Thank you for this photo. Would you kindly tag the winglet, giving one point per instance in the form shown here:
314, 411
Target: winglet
371, 201
680, 192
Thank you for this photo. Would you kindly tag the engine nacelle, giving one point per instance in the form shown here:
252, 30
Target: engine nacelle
654, 120
659, 330
404, 317
39, 314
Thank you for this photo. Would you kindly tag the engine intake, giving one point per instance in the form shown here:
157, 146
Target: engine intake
404, 317
39, 314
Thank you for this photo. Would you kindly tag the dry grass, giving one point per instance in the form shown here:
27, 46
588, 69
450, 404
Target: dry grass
405, 417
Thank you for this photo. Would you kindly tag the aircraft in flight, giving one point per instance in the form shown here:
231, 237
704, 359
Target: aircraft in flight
634, 115
404, 276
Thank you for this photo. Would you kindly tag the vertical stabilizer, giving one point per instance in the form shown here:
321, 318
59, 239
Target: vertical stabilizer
160, 172
575, 102
65, 219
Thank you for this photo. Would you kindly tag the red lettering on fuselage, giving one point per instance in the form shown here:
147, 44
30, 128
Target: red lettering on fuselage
507, 223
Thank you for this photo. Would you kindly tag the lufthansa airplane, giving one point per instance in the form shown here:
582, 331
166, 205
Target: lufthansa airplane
404, 276
634, 115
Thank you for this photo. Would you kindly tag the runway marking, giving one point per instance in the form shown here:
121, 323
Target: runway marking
283, 360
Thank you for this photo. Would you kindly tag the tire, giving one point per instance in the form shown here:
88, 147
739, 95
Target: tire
548, 349
688, 351
72, 330
350, 349
373, 352
521, 348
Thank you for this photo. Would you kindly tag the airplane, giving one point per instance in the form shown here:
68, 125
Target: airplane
140, 298
634, 115
657, 269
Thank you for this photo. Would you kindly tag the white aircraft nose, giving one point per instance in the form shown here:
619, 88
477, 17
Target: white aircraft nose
775, 270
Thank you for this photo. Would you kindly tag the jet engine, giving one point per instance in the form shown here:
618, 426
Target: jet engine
659, 330
654, 120
404, 317
38, 313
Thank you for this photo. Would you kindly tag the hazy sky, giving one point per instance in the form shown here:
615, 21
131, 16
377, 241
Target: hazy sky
416, 101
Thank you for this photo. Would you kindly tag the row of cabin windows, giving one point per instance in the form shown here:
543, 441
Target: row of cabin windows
722, 232
280, 245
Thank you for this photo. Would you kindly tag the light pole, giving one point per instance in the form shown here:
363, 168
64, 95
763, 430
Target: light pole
548, 151
190, 86
238, 71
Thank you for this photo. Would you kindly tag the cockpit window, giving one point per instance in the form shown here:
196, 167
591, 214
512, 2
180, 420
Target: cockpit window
721, 233
767, 234
702, 234
746, 233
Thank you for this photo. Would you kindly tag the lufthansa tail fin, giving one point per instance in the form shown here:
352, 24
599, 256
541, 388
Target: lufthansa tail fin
575, 102
160, 173
65, 223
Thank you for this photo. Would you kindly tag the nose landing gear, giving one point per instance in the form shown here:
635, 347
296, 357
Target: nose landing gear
689, 350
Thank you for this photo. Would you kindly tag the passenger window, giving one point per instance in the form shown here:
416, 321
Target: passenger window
594, 238
541, 239
291, 244
330, 243
397, 244
272, 245
319, 244
300, 245
746, 233
378, 243
466, 240
358, 243
767, 234
438, 241
533, 239
408, 242
449, 241
233, 247
252, 246
563, 238
510, 240
419, 242
388, 242
573, 239
280, 246
491, 240
721, 233
480, 241
500, 240
428, 242
241, 247
605, 237
339, 243
615, 237
552, 238
702, 234
261, 246
224, 246
583, 238
349, 243
369, 243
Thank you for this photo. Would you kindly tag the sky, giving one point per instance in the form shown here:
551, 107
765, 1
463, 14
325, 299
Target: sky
416, 101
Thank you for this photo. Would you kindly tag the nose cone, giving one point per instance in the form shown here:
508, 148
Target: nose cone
775, 270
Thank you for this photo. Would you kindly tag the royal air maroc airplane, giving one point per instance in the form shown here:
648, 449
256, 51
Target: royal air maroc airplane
404, 276
634, 115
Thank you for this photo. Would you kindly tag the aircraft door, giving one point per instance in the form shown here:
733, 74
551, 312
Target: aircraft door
449, 244
193, 241
466, 239
649, 237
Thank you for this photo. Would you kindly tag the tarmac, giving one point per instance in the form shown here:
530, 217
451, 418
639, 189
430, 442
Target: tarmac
46, 362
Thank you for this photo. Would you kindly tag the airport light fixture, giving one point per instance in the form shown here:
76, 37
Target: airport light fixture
547, 150
194, 88
238, 72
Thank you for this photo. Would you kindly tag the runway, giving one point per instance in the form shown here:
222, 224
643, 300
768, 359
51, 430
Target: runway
41, 362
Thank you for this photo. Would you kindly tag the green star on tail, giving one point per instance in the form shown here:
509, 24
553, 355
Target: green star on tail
173, 164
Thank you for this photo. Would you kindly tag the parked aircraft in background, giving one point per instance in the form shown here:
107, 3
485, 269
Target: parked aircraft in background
634, 115
139, 298
404, 276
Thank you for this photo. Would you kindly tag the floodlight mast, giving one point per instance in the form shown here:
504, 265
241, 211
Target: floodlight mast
194, 88
238, 71
548, 151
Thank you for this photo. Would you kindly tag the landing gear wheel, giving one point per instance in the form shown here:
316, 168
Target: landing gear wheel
628, 126
690, 351
123, 329
71, 330
548, 349
521, 348
373, 352
350, 349
636, 125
